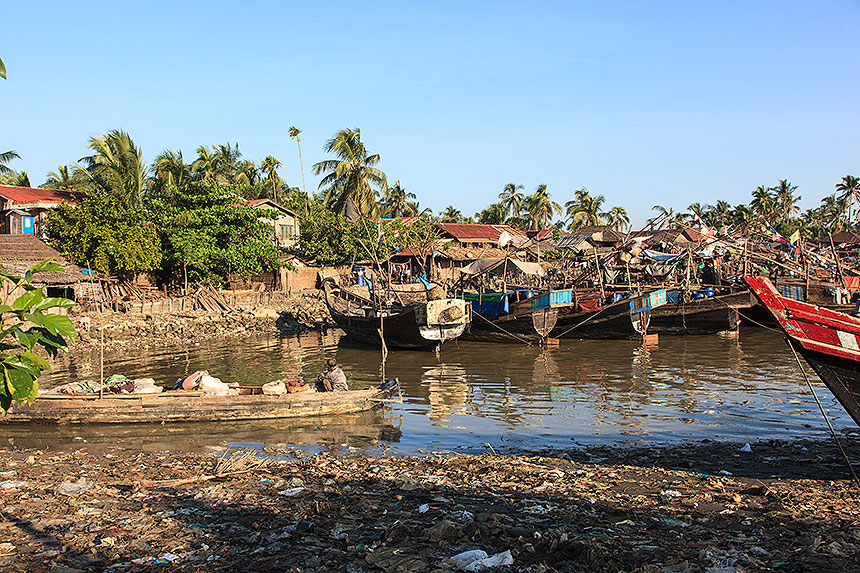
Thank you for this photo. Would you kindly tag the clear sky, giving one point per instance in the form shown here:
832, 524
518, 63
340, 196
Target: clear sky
644, 102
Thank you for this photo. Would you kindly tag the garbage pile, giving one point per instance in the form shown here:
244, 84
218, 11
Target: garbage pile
288, 510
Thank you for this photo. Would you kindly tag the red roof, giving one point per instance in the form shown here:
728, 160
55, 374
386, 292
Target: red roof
478, 232
35, 195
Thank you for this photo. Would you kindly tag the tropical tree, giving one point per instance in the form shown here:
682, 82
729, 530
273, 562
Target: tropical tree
763, 203
541, 208
742, 218
451, 215
512, 199
849, 187
269, 167
786, 200
352, 176
169, 169
2, 70
116, 167
666, 217
66, 177
294, 134
395, 201
585, 209
494, 214
6, 158
617, 218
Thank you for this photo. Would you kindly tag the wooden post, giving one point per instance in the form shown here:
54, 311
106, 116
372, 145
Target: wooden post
599, 274
838, 266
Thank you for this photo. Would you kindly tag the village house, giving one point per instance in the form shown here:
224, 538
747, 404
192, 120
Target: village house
285, 224
19, 252
24, 209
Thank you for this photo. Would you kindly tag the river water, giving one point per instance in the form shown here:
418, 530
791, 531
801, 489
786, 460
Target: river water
476, 396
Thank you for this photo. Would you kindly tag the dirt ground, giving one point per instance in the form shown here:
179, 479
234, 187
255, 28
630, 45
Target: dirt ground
783, 506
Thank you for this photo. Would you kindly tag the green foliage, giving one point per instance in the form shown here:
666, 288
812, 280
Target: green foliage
327, 236
209, 231
27, 326
105, 235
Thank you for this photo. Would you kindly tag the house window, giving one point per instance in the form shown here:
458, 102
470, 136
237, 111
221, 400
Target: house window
283, 230
291, 231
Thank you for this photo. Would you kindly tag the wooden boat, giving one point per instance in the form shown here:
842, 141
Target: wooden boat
417, 325
189, 407
626, 319
828, 340
530, 317
707, 315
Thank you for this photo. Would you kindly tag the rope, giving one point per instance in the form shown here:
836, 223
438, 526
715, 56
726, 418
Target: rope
823, 413
742, 315
502, 329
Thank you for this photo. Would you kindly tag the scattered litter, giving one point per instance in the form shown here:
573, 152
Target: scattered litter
73, 489
10, 484
746, 448
423, 508
293, 491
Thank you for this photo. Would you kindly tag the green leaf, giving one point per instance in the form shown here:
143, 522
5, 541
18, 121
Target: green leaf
55, 323
35, 360
27, 300
18, 381
53, 302
5, 402
28, 338
46, 265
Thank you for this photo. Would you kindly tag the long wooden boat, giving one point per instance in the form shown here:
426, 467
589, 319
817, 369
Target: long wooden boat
530, 316
626, 319
417, 325
828, 340
189, 407
701, 316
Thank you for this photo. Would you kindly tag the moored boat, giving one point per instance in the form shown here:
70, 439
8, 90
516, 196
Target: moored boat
625, 319
189, 407
416, 325
828, 340
523, 315
705, 315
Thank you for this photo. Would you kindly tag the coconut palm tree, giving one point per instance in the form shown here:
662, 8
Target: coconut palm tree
116, 167
294, 134
353, 176
763, 203
585, 209
451, 215
2, 70
269, 167
667, 217
849, 187
65, 177
512, 199
742, 218
396, 202
6, 158
618, 218
786, 200
541, 208
169, 168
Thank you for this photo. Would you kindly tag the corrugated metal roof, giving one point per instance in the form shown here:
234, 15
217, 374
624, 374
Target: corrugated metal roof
35, 195
479, 232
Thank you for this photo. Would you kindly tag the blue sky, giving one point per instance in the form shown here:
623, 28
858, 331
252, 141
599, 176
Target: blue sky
646, 103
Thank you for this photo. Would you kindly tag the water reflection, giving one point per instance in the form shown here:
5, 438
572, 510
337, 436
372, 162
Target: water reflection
472, 394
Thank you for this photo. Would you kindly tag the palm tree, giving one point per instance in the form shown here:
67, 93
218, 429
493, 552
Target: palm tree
294, 134
494, 214
6, 158
667, 216
585, 209
69, 179
270, 166
541, 208
786, 201
353, 175
742, 217
2, 70
617, 217
850, 188
451, 215
512, 199
116, 167
396, 201
169, 168
763, 203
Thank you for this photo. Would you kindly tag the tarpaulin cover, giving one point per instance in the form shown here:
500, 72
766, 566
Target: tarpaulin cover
852, 284
497, 267
674, 297
658, 256
588, 304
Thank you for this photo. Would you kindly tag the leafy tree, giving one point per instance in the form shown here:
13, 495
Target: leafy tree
451, 215
26, 326
116, 167
512, 199
494, 214
207, 231
327, 236
585, 209
2, 70
6, 158
352, 176
105, 235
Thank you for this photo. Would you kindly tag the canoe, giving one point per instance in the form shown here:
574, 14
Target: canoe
189, 407
417, 325
828, 340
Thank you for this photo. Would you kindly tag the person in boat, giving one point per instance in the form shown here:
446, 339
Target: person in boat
333, 380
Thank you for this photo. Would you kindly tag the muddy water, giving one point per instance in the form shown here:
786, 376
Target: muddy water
475, 396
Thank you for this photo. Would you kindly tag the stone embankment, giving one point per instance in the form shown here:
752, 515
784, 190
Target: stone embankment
305, 311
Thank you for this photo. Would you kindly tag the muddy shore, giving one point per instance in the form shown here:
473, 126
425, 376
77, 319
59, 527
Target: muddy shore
706, 506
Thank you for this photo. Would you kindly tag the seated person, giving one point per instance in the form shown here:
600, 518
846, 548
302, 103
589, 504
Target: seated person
334, 380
